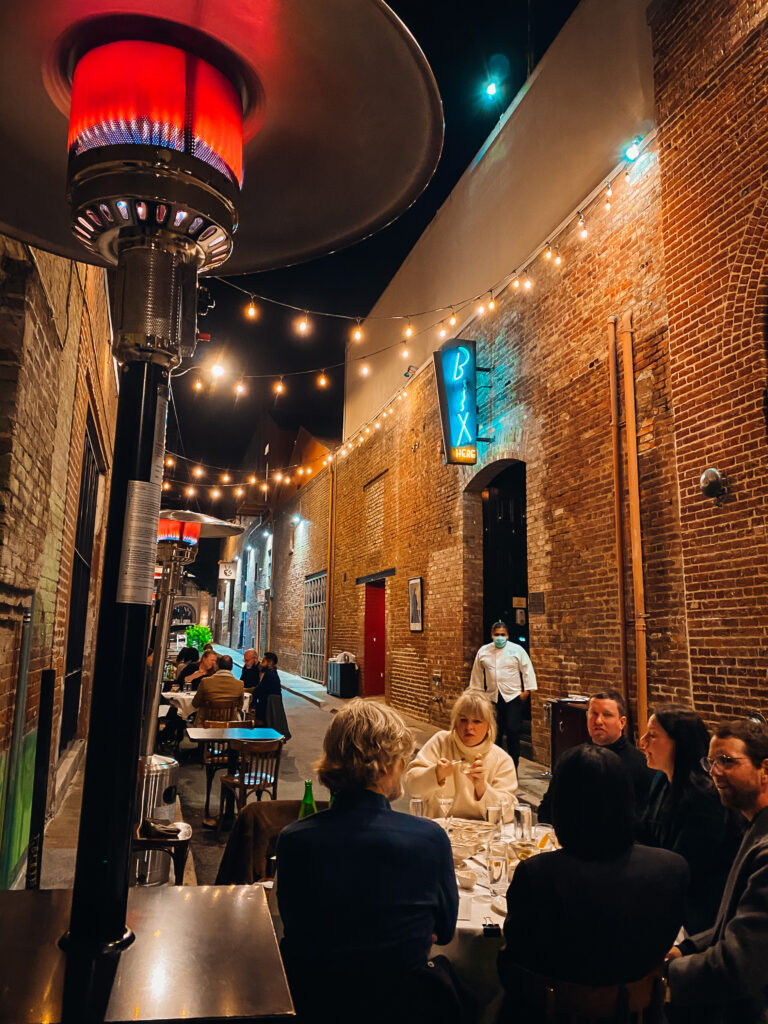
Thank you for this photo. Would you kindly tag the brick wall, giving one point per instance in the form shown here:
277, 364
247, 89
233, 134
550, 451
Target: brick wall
55, 364
711, 91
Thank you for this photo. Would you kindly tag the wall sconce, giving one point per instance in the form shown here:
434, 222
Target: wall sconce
410, 371
714, 484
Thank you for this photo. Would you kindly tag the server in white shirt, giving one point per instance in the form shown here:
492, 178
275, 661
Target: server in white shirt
505, 672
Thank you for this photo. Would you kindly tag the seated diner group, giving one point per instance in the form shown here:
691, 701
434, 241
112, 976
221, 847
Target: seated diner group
675, 889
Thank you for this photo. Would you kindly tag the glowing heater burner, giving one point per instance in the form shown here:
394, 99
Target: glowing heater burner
175, 532
149, 94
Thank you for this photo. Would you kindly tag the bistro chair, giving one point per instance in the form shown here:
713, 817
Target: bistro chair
251, 847
563, 1002
257, 772
177, 847
216, 752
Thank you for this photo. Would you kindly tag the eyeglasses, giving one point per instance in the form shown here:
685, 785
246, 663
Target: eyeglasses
724, 762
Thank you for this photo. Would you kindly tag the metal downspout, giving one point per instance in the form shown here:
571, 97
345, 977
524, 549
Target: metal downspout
618, 504
626, 338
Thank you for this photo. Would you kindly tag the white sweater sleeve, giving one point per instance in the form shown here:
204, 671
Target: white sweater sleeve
477, 679
420, 779
502, 783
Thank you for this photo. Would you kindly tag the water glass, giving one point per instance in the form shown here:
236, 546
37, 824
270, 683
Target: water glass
497, 868
523, 823
417, 807
493, 815
445, 803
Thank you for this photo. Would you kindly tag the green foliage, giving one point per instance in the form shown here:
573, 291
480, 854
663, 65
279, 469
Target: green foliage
198, 636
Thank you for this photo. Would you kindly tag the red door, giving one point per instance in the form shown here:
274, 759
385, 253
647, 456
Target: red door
373, 666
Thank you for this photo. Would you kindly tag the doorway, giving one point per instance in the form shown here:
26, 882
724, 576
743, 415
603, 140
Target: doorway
375, 643
505, 554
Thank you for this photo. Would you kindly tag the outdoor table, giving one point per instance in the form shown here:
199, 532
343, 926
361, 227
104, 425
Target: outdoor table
200, 953
183, 701
207, 735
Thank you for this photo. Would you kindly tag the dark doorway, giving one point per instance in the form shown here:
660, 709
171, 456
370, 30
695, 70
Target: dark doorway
505, 555
80, 587
375, 651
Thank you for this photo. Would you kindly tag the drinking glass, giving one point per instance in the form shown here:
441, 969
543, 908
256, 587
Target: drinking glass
493, 816
523, 823
497, 867
446, 803
417, 807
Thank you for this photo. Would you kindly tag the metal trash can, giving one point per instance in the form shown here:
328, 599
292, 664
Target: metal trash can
158, 779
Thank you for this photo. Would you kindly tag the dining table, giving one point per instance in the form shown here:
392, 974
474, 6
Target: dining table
225, 733
182, 701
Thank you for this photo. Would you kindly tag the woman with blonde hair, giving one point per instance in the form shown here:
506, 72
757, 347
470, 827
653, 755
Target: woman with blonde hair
464, 763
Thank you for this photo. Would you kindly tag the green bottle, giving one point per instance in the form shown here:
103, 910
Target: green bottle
308, 805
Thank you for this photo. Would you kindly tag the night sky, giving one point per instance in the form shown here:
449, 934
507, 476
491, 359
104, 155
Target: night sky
466, 44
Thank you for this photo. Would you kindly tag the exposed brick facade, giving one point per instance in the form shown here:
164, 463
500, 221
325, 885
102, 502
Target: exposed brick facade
55, 366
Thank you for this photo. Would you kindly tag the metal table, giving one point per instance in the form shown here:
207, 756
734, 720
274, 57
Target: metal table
206, 735
200, 954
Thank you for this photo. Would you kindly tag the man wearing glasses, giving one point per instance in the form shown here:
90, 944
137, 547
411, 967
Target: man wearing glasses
721, 975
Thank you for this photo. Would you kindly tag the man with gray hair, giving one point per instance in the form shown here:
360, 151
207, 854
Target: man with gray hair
363, 890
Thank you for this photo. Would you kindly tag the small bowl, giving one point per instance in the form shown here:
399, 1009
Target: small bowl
466, 878
461, 852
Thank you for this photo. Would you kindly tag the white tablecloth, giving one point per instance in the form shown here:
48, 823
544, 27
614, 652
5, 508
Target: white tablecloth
183, 701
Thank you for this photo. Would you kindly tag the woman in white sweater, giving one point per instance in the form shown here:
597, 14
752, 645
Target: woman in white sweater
464, 763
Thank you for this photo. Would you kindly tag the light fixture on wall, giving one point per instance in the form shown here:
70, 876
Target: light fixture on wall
714, 484
410, 371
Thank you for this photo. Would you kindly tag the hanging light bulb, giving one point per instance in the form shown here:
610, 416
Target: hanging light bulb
442, 332
322, 380
279, 387
190, 492
225, 479
516, 282
377, 425
309, 470
198, 385
582, 225
548, 251
300, 471
365, 370
452, 318
287, 480
252, 310
330, 458
558, 257
491, 301
215, 493
166, 486
480, 309
391, 410
217, 370
239, 492
527, 283
367, 430
264, 487
303, 325
409, 330
608, 189
240, 388
198, 471
357, 334
170, 462
404, 352
251, 479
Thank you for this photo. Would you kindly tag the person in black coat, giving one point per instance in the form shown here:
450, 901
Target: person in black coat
606, 722
601, 910
684, 811
251, 670
268, 687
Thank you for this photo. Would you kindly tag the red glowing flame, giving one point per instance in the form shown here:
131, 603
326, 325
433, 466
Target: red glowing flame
150, 94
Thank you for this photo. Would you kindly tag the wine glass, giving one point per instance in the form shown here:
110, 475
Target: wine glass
446, 803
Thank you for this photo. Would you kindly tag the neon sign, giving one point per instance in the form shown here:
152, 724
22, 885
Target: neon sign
456, 375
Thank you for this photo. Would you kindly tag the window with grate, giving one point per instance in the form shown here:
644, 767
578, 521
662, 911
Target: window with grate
313, 639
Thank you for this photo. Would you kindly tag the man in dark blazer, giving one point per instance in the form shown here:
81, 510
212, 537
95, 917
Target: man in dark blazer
720, 976
606, 722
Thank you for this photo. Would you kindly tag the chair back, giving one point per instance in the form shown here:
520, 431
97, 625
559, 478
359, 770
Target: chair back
564, 1002
258, 765
217, 751
216, 715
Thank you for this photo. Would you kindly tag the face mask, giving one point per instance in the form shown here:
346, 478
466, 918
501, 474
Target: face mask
499, 641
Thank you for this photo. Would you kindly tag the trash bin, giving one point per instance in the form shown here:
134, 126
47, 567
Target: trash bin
342, 679
158, 779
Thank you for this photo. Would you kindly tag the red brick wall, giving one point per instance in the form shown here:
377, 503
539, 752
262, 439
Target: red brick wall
712, 99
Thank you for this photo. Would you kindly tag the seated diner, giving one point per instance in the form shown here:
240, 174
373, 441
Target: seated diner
464, 764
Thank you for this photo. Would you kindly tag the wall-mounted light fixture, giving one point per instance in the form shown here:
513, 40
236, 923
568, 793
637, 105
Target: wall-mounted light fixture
714, 484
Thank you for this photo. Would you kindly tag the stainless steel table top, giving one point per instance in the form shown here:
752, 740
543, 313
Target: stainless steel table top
201, 735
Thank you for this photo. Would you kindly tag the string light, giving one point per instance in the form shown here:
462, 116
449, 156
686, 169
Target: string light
252, 310
198, 385
404, 352
303, 324
608, 194
240, 388
226, 478
264, 487
215, 493
287, 480
357, 334
632, 152
300, 471
309, 470
548, 251
239, 492
166, 486
491, 302
279, 387
190, 492
442, 332
409, 330
452, 318
278, 477
558, 257
527, 283
377, 425
364, 370
217, 370
516, 282
582, 225
322, 380
480, 309
170, 462
198, 471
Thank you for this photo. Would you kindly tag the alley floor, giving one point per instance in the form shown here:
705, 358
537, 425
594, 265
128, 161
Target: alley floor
308, 709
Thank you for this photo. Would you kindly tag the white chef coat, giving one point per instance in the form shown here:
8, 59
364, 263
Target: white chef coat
502, 671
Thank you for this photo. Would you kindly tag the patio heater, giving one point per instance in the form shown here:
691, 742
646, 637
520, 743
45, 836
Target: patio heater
304, 127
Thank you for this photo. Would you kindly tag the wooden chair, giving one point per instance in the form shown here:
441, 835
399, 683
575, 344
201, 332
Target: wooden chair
216, 752
177, 847
257, 772
563, 1002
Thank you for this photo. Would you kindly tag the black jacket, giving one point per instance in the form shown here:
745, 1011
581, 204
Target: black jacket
700, 829
593, 922
640, 777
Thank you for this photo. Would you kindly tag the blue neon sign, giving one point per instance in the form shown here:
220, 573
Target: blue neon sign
456, 375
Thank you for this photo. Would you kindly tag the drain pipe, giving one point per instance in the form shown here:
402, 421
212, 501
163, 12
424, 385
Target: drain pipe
618, 504
626, 333
329, 562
